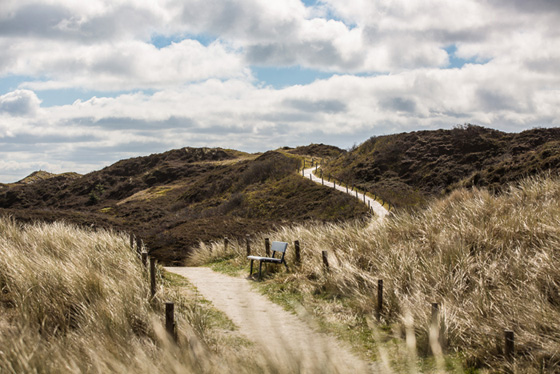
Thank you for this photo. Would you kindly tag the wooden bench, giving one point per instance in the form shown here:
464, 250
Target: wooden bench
275, 247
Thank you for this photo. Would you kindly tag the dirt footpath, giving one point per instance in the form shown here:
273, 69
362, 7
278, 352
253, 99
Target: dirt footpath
378, 209
286, 337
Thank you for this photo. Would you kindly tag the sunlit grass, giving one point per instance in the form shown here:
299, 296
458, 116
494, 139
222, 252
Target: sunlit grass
492, 262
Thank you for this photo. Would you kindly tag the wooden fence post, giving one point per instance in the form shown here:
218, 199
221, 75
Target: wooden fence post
509, 345
435, 314
145, 259
152, 277
298, 253
139, 245
226, 242
325, 260
170, 320
436, 324
379, 298
267, 247
248, 245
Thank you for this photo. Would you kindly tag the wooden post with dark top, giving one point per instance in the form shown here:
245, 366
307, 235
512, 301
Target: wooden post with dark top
247, 237
325, 260
509, 350
152, 277
226, 242
436, 324
267, 247
145, 259
170, 320
298, 253
435, 314
139, 245
379, 298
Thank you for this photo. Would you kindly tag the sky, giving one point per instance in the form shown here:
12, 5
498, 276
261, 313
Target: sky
84, 84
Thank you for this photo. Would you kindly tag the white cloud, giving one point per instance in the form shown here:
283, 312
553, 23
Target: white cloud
19, 103
205, 94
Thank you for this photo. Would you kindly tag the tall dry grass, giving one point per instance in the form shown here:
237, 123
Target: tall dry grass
493, 262
77, 301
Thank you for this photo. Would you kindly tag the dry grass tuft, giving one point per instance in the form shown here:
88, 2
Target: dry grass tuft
77, 301
492, 261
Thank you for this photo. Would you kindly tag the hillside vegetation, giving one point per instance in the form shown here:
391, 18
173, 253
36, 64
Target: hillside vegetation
175, 199
77, 301
492, 261
409, 169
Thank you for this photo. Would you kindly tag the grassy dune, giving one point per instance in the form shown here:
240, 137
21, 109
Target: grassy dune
492, 261
77, 301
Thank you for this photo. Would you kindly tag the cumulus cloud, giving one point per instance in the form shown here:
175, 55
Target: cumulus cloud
19, 103
389, 64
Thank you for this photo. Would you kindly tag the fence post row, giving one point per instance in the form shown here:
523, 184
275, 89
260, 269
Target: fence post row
298, 253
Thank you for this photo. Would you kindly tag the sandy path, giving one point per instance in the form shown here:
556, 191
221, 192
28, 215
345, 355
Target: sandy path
378, 209
287, 338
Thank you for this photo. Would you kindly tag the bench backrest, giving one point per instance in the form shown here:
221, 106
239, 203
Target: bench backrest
279, 247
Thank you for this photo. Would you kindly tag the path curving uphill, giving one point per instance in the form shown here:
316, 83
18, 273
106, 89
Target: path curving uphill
287, 340
378, 209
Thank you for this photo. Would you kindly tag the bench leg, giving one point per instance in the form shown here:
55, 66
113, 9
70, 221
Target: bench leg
251, 271
286, 265
260, 269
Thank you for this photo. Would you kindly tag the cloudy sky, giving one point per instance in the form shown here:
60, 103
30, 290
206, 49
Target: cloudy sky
86, 83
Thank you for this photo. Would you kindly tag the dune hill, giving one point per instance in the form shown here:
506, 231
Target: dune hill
175, 199
408, 169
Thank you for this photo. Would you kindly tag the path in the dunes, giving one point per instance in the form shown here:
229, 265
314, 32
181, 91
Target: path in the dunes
288, 340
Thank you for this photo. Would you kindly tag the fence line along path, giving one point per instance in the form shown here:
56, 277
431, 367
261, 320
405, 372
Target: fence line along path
378, 209
288, 340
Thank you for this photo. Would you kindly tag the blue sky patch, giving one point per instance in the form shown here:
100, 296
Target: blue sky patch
456, 62
280, 77
11, 83
161, 41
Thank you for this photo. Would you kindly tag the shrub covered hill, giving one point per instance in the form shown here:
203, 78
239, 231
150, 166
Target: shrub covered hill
176, 199
410, 168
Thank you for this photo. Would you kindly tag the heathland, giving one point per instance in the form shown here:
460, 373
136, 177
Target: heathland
475, 228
